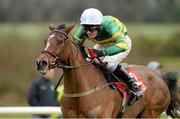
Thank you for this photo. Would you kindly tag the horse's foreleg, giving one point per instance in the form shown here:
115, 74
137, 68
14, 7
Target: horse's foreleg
108, 110
150, 114
69, 113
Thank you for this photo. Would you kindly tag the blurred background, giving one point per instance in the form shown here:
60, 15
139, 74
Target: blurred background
153, 25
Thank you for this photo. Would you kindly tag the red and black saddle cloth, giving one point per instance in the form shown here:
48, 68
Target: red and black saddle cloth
124, 89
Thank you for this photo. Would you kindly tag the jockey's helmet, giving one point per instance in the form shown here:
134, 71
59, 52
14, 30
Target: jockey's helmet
91, 16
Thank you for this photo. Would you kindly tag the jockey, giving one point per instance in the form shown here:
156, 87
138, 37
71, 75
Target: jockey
112, 43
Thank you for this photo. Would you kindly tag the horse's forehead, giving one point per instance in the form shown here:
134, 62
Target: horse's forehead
48, 43
52, 35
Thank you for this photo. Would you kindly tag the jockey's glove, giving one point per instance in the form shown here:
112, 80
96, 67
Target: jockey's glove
94, 53
99, 53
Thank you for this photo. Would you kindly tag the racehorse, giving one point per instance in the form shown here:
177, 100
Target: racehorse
86, 90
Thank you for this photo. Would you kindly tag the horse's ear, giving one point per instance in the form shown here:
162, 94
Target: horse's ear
51, 26
69, 28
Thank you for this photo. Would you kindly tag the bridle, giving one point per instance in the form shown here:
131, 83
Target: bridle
57, 56
58, 64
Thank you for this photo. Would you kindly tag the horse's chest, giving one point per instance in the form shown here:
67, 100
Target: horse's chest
80, 110
94, 112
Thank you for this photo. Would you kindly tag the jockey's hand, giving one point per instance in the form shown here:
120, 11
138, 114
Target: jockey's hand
94, 53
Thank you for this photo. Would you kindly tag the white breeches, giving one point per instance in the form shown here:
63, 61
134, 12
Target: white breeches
114, 60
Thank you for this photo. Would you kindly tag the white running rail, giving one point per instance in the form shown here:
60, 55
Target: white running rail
30, 110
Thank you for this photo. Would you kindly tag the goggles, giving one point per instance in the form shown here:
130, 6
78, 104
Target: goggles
91, 28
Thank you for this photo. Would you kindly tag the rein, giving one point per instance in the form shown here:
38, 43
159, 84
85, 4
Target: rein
73, 67
58, 64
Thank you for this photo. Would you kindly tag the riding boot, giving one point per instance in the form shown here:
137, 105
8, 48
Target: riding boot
136, 91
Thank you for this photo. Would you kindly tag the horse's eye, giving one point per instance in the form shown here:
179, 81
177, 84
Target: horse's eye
60, 42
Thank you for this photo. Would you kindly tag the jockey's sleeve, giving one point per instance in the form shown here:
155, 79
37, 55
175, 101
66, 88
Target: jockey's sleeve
120, 46
78, 36
117, 30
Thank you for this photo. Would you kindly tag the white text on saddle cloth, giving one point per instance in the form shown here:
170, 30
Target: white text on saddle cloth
137, 77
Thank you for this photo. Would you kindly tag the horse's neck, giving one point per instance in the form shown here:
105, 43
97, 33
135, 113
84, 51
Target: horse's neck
82, 78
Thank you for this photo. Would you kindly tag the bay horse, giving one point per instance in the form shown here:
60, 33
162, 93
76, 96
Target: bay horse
86, 91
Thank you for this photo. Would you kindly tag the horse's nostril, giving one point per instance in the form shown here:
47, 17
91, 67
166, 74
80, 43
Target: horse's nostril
43, 63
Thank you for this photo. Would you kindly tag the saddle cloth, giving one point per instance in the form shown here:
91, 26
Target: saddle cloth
124, 89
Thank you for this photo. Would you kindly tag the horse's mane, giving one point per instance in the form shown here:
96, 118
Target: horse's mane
61, 26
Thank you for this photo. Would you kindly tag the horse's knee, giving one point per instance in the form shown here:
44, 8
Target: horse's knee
149, 114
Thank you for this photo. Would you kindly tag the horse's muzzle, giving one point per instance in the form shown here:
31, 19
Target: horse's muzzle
42, 66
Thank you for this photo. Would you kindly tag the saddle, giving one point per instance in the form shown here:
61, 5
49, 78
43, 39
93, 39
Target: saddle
118, 84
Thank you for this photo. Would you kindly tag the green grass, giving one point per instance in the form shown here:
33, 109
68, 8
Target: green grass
164, 31
170, 63
26, 31
33, 30
2, 116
